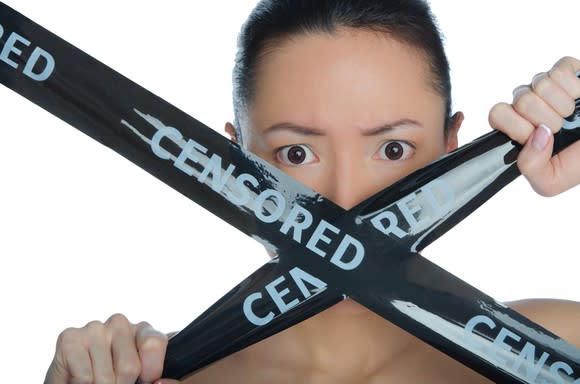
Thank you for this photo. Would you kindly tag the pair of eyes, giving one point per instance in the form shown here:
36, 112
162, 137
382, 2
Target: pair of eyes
301, 154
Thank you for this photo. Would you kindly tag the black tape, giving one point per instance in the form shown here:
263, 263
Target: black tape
391, 279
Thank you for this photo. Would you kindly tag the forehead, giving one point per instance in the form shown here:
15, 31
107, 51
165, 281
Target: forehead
351, 77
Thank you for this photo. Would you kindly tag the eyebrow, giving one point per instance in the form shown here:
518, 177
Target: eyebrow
309, 131
301, 130
402, 123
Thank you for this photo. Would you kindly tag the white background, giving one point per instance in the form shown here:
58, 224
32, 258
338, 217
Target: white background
85, 233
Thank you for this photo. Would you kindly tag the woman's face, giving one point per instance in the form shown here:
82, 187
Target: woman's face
346, 114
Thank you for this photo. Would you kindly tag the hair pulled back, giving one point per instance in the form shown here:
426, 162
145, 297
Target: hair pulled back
272, 21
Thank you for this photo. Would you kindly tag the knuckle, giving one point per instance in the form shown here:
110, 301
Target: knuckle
520, 90
152, 343
565, 71
96, 330
94, 324
68, 336
542, 84
130, 368
569, 61
525, 102
143, 325
118, 320
558, 73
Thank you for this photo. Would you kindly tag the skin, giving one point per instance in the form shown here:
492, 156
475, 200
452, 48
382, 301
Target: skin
334, 96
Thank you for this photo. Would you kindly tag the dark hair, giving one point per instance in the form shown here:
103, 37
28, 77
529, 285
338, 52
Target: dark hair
409, 21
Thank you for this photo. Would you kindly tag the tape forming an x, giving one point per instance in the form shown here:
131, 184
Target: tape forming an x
324, 253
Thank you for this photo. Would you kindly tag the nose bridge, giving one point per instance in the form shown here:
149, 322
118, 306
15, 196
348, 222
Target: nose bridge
349, 186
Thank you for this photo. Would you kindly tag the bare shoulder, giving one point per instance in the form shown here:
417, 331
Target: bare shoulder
559, 316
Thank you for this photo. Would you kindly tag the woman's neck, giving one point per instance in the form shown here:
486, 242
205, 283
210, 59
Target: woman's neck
345, 341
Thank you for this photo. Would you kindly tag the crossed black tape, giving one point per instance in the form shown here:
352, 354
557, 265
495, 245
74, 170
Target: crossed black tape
325, 254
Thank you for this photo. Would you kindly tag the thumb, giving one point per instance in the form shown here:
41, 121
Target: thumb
167, 381
535, 161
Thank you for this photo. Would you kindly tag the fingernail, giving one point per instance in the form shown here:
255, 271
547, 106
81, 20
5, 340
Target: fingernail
541, 137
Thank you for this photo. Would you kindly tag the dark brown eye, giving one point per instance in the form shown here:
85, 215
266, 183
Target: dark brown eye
295, 155
396, 150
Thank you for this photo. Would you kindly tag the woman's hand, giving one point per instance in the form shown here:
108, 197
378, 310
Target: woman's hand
536, 113
115, 352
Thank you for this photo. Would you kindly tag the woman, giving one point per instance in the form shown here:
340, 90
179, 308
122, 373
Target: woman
347, 97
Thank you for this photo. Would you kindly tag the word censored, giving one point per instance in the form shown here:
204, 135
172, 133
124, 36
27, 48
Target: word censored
269, 206
18, 53
508, 352
416, 211
276, 291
